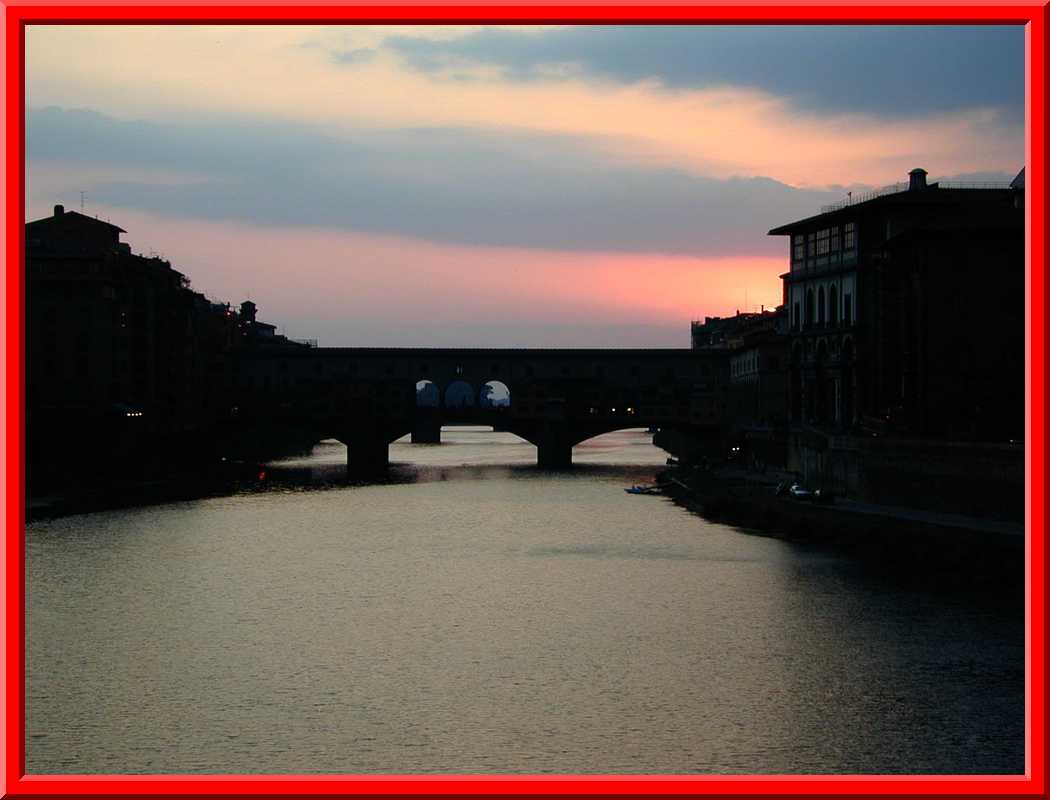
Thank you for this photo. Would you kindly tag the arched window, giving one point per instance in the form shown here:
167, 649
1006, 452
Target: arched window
833, 306
808, 322
821, 307
796, 317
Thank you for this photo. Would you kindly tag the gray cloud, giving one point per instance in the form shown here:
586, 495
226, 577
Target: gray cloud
886, 70
359, 56
445, 185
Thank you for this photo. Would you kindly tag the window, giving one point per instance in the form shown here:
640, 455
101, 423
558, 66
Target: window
849, 240
833, 306
847, 309
809, 309
835, 239
811, 245
823, 238
796, 316
820, 307
800, 247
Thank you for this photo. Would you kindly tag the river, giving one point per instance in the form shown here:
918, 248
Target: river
475, 614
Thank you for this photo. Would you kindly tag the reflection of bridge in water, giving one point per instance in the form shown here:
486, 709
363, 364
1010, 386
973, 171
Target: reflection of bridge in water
367, 397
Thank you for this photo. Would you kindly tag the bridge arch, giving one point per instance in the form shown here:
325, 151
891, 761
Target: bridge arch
427, 394
494, 394
459, 394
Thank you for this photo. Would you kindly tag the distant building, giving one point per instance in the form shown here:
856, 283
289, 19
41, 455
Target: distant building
716, 333
262, 334
758, 359
906, 311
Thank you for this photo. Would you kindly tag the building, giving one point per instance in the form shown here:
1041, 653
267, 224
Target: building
716, 333
118, 347
758, 359
906, 335
906, 311
254, 333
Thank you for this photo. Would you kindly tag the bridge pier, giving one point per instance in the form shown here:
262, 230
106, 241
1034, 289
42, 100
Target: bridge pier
367, 456
426, 431
554, 454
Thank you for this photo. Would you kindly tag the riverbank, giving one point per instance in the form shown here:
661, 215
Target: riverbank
916, 545
127, 493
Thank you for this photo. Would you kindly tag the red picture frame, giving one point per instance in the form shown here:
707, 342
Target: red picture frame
18, 13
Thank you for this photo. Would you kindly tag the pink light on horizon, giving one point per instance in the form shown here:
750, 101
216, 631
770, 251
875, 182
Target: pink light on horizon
301, 274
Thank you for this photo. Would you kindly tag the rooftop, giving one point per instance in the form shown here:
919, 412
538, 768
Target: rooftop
855, 198
75, 216
917, 191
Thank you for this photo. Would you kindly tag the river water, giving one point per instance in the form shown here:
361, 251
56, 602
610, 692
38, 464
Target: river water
478, 615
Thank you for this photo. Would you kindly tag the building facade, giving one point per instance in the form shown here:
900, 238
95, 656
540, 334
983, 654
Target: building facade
906, 312
758, 359
120, 351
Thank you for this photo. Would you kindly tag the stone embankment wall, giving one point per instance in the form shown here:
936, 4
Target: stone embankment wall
983, 480
931, 555
977, 479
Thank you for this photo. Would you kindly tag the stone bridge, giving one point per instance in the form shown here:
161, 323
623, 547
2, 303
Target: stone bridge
369, 397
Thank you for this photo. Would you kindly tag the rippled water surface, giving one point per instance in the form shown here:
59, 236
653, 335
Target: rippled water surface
476, 614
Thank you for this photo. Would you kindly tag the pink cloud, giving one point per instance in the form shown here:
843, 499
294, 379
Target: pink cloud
351, 285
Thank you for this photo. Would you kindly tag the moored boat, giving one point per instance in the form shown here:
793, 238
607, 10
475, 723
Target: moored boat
643, 490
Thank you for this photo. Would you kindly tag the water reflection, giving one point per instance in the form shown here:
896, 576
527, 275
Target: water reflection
477, 614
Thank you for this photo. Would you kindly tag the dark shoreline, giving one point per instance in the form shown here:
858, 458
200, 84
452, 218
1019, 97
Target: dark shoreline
916, 552
128, 494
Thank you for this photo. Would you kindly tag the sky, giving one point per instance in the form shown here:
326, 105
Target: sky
566, 186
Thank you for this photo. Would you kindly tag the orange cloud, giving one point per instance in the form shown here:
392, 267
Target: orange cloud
288, 73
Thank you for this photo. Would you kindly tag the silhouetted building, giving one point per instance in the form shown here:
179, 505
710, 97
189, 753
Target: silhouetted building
758, 358
907, 311
254, 333
716, 333
117, 345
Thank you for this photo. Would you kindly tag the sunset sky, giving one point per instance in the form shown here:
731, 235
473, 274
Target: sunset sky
481, 186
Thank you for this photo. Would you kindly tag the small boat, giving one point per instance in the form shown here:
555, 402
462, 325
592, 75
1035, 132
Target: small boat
643, 490
672, 462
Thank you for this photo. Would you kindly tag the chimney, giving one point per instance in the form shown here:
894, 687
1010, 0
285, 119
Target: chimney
60, 210
917, 179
